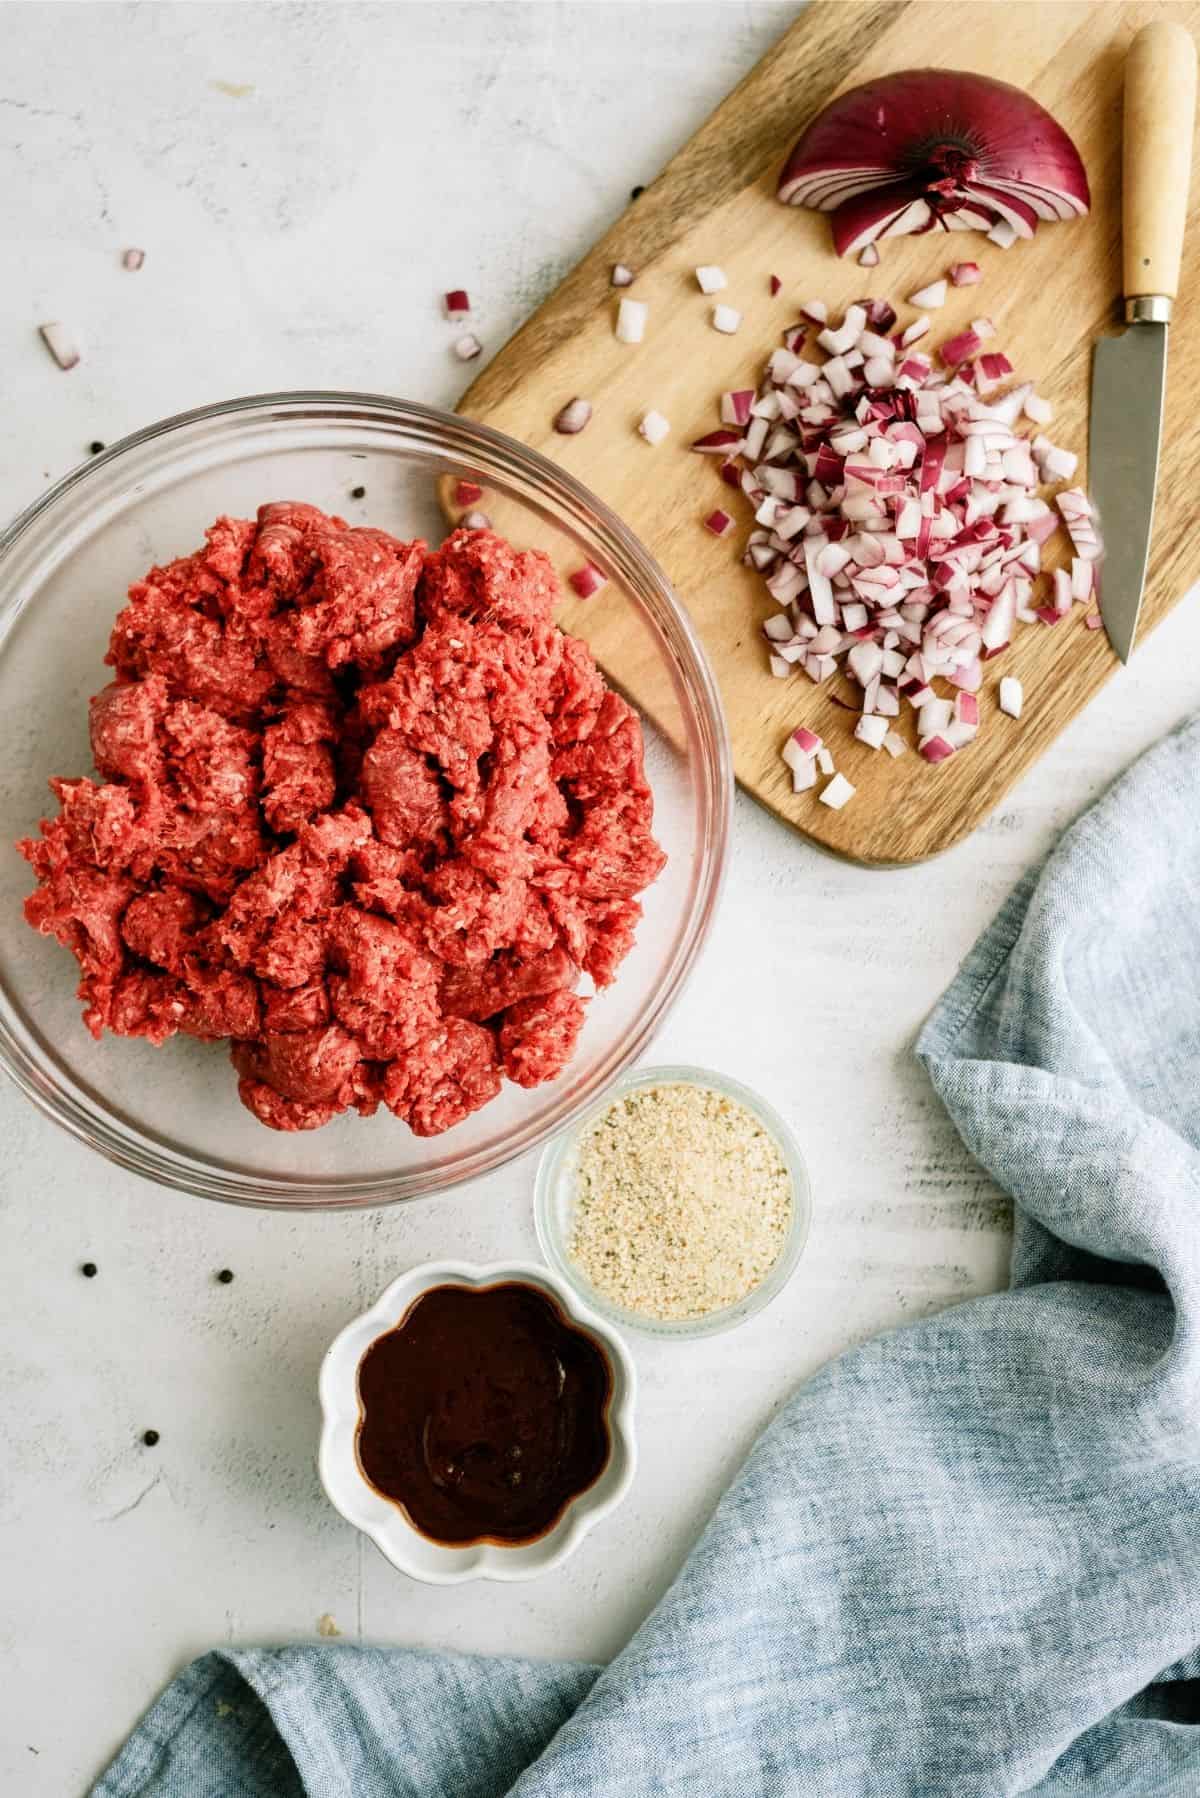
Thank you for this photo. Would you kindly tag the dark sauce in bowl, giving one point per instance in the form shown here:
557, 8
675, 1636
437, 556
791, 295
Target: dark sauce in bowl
484, 1413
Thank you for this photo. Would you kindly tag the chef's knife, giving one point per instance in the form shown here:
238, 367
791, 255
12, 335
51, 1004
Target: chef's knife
1129, 372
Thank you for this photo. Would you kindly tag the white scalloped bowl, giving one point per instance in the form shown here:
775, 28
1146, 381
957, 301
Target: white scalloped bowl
386, 1523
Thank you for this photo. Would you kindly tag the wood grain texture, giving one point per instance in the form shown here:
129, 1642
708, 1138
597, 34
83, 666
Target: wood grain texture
1050, 299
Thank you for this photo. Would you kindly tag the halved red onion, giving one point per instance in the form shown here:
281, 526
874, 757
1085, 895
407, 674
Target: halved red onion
934, 148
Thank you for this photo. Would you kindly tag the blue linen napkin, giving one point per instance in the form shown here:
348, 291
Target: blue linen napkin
963, 1559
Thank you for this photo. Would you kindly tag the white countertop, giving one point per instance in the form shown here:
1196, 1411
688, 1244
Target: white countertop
306, 181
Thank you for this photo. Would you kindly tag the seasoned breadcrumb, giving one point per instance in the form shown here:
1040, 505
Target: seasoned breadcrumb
683, 1202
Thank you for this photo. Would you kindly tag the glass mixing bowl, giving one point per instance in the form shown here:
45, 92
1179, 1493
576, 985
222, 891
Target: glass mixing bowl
172, 1114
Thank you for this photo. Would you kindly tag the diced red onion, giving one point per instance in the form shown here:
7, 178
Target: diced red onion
1094, 622
726, 319
468, 347
966, 274
936, 748
868, 256
1012, 695
587, 580
837, 793
654, 427
61, 344
621, 275
475, 521
575, 415
719, 523
711, 279
775, 284
132, 259
467, 492
929, 298
457, 304
631, 321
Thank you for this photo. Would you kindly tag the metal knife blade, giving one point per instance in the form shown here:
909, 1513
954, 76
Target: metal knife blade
1129, 376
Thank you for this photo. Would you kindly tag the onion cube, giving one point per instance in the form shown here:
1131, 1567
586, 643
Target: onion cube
654, 427
631, 321
1012, 695
871, 731
711, 279
838, 793
726, 319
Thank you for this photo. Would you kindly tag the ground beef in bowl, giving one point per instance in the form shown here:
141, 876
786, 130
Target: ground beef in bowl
362, 809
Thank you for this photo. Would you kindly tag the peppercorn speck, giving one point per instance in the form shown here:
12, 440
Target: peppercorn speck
150, 1438
635, 193
358, 493
225, 1275
95, 447
89, 1270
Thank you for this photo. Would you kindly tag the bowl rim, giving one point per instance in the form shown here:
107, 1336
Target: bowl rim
712, 1323
393, 1534
66, 1100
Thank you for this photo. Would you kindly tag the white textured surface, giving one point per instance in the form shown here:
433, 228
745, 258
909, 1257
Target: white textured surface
299, 235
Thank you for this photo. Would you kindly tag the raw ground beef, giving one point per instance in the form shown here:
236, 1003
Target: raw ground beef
362, 809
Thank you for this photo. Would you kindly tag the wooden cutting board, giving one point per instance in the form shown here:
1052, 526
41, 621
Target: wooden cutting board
715, 203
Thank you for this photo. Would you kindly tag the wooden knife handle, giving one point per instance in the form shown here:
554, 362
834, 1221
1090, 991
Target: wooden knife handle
1160, 104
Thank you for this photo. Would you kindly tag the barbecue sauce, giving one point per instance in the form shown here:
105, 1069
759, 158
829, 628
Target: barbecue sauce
483, 1413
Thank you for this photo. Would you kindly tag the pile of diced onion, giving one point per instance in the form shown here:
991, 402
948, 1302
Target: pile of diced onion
898, 523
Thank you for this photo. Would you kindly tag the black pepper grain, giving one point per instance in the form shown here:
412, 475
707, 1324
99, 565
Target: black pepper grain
635, 193
96, 447
150, 1437
358, 493
225, 1276
89, 1270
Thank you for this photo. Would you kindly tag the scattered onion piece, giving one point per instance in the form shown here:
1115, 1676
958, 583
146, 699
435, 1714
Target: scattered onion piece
719, 523
868, 256
934, 149
1012, 696
726, 319
466, 493
1092, 622
711, 279
587, 580
775, 284
965, 274
654, 427
468, 347
928, 299
457, 304
838, 793
575, 415
621, 275
60, 343
631, 321
132, 259
476, 521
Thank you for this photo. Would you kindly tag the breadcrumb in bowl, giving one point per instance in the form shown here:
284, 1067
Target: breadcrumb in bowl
679, 1205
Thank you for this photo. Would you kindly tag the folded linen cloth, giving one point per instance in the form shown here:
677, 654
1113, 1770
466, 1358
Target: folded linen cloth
962, 1560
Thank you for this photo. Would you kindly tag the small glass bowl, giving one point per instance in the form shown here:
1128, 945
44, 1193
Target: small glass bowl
554, 1206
